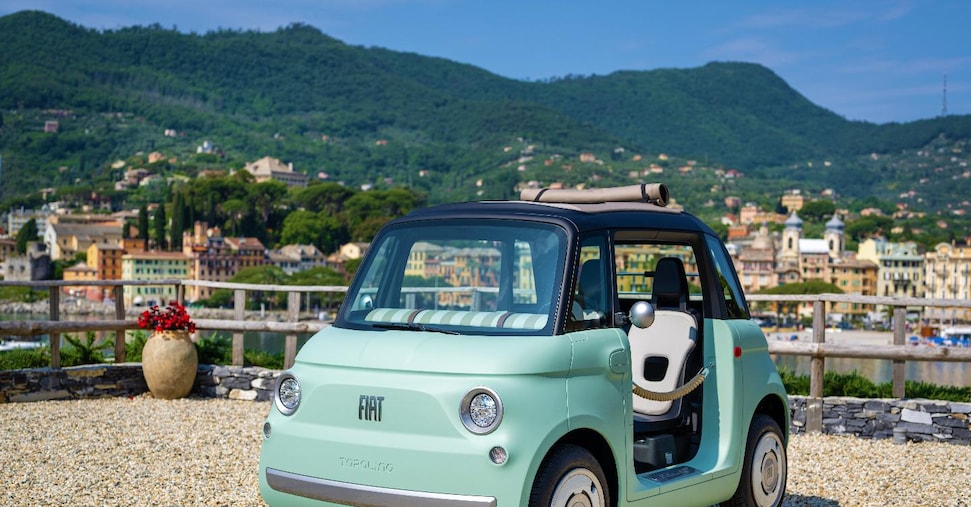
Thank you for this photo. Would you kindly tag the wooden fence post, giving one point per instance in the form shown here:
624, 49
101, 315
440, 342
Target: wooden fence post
239, 314
293, 315
54, 307
899, 366
120, 355
817, 367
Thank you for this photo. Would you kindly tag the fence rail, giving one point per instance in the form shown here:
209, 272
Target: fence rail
818, 350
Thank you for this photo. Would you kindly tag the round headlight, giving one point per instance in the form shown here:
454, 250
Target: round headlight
481, 410
287, 394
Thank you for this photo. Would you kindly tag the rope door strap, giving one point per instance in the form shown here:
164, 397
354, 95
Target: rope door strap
680, 392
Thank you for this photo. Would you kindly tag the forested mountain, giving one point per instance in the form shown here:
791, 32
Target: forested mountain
451, 131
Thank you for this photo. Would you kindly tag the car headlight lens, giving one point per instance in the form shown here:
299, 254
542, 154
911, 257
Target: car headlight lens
481, 410
287, 394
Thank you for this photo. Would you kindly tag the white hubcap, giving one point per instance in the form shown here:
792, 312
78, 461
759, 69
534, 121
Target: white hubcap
579, 488
768, 470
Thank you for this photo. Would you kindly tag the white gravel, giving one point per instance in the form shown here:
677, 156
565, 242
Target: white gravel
194, 452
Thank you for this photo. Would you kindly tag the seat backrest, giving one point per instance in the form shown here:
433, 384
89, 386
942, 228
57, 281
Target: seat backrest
660, 352
670, 287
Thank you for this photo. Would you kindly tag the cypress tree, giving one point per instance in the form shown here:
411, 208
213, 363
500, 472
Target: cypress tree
143, 223
159, 223
178, 220
26, 233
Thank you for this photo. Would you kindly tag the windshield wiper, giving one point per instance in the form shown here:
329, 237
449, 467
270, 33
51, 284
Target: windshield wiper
405, 326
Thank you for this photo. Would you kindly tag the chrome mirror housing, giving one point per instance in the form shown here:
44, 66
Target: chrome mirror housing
642, 314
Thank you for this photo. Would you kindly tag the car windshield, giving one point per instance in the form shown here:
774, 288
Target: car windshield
460, 276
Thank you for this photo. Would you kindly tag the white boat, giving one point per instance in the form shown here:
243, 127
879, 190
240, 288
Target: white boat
18, 345
957, 335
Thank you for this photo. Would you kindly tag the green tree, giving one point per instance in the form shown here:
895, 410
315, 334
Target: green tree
26, 233
143, 223
235, 210
322, 197
264, 196
366, 212
178, 220
301, 227
868, 226
817, 211
158, 221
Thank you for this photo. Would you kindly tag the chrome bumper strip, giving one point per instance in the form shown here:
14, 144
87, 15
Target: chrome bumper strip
367, 496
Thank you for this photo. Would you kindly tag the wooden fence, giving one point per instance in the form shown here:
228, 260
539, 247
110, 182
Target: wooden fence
238, 325
818, 350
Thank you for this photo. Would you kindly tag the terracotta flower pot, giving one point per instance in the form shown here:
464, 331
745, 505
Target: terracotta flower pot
170, 363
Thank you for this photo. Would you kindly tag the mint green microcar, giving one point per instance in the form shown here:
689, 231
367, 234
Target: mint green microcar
573, 348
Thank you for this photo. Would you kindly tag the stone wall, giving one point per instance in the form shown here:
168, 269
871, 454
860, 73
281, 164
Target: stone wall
94, 381
902, 420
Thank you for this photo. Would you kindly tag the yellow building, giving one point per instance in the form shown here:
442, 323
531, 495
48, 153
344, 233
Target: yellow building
856, 277
947, 275
148, 266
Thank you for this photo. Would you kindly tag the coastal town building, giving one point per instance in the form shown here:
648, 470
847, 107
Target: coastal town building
756, 263
765, 262
66, 235
947, 275
294, 258
271, 169
249, 252
103, 262
855, 277
213, 257
82, 272
8, 247
209, 259
34, 265
793, 200
17, 218
150, 266
901, 267
753, 214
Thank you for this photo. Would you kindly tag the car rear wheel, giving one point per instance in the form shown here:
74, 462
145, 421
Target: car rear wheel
570, 477
763, 481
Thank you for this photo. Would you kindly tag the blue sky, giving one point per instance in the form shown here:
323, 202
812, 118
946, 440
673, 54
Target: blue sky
873, 60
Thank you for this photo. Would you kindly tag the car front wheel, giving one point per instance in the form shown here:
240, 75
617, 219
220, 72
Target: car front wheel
763, 481
572, 477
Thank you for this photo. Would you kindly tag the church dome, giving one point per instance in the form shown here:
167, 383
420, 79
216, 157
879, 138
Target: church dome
835, 223
794, 221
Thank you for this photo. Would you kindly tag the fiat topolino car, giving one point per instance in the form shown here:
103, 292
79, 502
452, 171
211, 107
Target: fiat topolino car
576, 347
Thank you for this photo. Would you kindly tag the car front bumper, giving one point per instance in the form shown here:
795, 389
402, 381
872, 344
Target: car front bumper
356, 494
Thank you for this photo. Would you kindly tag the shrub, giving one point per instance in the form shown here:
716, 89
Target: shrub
215, 349
87, 352
133, 347
22, 294
20, 359
854, 385
263, 359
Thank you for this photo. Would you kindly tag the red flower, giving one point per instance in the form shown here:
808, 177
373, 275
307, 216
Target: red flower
173, 318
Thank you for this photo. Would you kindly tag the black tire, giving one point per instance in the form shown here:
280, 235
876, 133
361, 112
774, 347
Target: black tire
763, 480
569, 476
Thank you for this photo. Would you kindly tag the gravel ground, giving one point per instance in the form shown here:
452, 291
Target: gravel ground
195, 452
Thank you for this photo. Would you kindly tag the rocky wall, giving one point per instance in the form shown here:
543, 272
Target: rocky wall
903, 420
94, 381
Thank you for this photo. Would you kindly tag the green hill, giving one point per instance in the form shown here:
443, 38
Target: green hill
379, 117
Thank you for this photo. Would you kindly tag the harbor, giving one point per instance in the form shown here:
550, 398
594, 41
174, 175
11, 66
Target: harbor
877, 370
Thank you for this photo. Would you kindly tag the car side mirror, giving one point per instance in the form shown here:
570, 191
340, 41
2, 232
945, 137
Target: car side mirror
367, 303
642, 314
